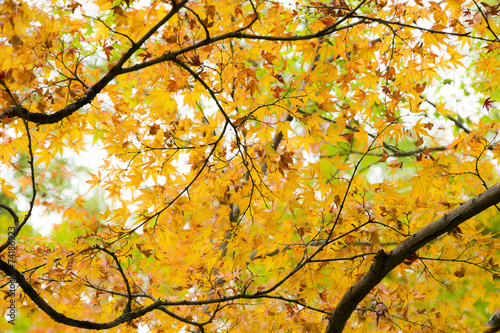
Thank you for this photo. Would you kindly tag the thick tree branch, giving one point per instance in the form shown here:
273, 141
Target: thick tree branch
493, 324
384, 263
91, 93
61, 318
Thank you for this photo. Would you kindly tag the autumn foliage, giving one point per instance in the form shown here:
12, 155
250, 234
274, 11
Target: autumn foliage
269, 166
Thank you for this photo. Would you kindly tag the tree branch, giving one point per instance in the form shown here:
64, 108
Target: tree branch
61, 318
384, 263
91, 93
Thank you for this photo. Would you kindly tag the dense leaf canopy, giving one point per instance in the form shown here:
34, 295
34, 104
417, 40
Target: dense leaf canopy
269, 166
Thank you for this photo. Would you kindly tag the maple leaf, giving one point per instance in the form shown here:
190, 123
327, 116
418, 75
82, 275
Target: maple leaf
195, 60
488, 103
279, 78
411, 259
460, 272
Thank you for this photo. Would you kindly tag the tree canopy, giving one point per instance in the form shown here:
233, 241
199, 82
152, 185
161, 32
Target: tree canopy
274, 166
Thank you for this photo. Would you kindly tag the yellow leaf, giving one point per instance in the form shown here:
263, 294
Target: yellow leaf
7, 190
